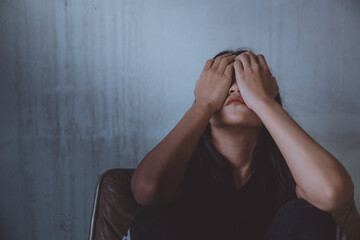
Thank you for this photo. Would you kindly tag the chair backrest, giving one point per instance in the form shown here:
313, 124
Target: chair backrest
114, 206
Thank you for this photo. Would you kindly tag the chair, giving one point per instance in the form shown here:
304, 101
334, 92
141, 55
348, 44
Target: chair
114, 206
114, 209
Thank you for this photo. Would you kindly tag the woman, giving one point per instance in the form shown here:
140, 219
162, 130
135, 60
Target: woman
237, 166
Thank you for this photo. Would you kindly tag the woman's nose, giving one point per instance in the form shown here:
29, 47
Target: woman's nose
234, 88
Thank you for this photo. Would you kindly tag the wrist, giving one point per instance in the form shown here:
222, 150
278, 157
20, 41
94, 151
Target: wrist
204, 108
263, 104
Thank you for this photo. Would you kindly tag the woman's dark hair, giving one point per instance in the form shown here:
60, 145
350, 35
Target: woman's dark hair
267, 163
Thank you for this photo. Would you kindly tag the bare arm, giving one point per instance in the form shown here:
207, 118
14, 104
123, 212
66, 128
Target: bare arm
158, 177
320, 177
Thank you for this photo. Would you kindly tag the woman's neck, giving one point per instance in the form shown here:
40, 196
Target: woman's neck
238, 147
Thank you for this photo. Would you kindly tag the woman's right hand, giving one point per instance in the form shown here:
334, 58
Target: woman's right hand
215, 80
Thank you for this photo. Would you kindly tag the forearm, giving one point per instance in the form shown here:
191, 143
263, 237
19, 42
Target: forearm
158, 177
318, 174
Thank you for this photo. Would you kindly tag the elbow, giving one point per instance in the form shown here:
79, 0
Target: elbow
337, 198
143, 192
147, 194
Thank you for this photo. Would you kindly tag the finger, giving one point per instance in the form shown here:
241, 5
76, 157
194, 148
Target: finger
218, 60
239, 68
229, 70
225, 62
262, 62
253, 60
208, 64
245, 60
238, 65
273, 79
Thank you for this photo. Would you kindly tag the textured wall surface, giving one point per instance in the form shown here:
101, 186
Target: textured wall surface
86, 86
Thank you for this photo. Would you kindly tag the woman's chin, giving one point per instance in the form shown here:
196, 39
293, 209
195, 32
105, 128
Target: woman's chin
235, 114
238, 116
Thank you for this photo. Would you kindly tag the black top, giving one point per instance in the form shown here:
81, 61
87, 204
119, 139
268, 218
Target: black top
225, 212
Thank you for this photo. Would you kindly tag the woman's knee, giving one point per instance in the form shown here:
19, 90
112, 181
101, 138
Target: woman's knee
303, 211
300, 218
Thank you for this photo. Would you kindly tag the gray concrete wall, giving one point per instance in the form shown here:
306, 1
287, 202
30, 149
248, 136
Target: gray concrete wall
91, 85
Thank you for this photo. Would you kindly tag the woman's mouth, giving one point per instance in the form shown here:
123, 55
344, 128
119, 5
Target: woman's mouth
236, 102
235, 99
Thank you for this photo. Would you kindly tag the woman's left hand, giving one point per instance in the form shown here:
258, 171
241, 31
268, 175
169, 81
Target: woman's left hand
254, 79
